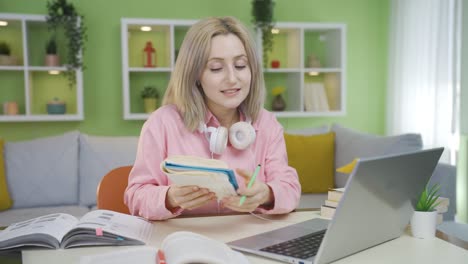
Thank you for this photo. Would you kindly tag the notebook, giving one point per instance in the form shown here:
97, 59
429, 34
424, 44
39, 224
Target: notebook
379, 199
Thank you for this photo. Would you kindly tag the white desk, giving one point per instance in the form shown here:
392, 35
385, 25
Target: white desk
405, 249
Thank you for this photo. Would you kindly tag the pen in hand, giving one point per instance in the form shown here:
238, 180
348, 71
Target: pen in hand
252, 180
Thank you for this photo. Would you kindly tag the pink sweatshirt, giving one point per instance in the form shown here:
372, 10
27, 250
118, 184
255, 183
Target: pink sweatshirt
164, 134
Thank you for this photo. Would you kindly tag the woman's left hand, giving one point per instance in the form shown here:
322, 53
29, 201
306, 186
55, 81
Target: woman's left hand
258, 194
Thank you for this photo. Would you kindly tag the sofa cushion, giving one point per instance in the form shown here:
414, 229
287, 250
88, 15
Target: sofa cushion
98, 156
351, 144
5, 200
313, 158
44, 171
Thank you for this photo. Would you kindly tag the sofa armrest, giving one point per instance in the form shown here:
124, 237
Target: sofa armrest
446, 176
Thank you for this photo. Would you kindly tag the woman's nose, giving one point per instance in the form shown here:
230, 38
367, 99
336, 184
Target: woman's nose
231, 74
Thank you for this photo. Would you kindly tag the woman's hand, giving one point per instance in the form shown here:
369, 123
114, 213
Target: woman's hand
258, 194
187, 197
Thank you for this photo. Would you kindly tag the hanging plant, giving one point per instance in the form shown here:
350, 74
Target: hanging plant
63, 15
262, 12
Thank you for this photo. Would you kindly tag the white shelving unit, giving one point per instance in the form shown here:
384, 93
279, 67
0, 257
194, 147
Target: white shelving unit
29, 35
166, 36
292, 46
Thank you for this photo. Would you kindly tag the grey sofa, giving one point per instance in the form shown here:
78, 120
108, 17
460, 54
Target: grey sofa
61, 173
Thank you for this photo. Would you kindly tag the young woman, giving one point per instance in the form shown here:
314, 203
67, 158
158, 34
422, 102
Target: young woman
216, 91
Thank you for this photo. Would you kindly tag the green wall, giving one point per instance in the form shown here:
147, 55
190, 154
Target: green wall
367, 30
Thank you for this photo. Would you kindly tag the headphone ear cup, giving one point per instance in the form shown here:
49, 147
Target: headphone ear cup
218, 140
241, 135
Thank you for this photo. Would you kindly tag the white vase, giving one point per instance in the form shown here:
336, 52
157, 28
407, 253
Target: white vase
423, 224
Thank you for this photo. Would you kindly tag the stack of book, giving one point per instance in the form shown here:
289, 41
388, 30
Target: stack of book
334, 195
442, 208
315, 98
328, 209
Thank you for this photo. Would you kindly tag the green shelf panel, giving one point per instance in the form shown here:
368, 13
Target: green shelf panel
12, 35
179, 35
332, 84
314, 46
138, 80
273, 80
285, 49
44, 87
160, 38
12, 89
38, 36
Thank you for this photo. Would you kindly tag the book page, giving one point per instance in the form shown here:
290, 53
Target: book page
188, 247
215, 182
55, 225
139, 255
122, 225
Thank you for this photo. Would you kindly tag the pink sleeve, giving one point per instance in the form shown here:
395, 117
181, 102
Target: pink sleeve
281, 178
145, 195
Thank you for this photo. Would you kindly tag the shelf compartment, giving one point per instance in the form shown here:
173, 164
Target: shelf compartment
138, 80
286, 49
12, 35
44, 87
12, 90
38, 36
325, 46
291, 82
323, 89
179, 35
161, 41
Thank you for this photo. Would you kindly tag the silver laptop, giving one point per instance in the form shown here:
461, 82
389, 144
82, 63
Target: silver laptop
376, 206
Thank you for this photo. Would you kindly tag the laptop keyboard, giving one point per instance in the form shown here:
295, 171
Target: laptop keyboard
302, 247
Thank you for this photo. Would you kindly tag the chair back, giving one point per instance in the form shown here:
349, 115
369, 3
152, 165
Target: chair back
111, 188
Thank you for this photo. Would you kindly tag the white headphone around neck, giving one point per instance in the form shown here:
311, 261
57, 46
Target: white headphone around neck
241, 135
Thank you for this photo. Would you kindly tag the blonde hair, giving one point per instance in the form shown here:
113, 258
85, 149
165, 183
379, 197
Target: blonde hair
193, 55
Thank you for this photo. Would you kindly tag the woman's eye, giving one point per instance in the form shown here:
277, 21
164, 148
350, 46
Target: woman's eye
239, 67
216, 69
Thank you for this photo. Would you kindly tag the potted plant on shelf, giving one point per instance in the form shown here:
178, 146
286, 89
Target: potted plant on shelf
150, 97
52, 59
5, 52
278, 103
423, 222
262, 12
63, 15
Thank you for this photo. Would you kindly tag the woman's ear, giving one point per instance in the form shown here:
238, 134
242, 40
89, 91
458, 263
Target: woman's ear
198, 84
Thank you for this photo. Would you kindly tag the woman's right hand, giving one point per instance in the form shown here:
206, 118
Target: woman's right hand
187, 197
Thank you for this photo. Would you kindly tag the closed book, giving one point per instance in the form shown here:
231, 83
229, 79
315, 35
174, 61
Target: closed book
335, 194
444, 202
327, 211
212, 174
441, 209
331, 203
440, 218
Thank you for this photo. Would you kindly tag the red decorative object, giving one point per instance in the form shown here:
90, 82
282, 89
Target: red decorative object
275, 63
149, 55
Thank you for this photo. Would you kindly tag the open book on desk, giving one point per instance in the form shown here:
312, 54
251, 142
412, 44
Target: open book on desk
96, 228
179, 248
212, 174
